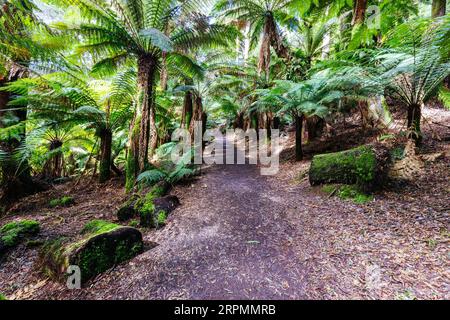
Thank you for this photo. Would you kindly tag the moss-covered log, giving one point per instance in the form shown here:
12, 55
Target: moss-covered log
101, 246
365, 166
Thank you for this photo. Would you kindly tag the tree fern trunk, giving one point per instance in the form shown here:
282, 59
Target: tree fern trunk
105, 155
414, 118
359, 12
146, 73
298, 137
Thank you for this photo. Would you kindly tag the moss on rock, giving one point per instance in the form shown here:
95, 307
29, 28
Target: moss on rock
62, 202
102, 245
11, 234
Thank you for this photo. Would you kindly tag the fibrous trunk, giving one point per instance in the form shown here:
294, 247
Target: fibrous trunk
315, 126
105, 155
359, 12
414, 118
298, 137
146, 73
140, 130
53, 167
187, 110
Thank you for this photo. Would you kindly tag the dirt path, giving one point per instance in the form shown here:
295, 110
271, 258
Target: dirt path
227, 240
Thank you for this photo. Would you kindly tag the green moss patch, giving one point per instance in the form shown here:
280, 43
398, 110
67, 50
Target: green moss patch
14, 232
102, 245
356, 166
348, 192
98, 226
65, 201
3, 297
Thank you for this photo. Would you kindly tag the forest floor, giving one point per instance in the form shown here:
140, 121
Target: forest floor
240, 235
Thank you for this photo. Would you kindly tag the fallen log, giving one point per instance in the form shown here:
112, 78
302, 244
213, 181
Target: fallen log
365, 166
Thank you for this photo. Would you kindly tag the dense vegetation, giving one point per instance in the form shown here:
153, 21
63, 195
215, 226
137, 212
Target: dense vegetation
98, 86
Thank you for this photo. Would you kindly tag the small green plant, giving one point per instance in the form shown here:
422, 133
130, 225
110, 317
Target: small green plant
385, 137
406, 295
162, 217
397, 153
330, 188
98, 226
3, 297
432, 244
134, 223
348, 192
61, 202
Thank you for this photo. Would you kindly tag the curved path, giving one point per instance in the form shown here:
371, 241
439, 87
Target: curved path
228, 240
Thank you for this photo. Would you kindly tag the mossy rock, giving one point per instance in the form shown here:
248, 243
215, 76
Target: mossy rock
127, 210
154, 211
148, 207
11, 234
365, 166
65, 201
102, 246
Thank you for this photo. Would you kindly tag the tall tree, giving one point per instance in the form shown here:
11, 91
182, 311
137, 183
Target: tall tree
264, 17
359, 12
17, 49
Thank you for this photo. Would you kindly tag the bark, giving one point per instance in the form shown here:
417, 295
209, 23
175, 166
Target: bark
187, 110
276, 122
438, 8
414, 118
105, 155
53, 167
239, 121
132, 166
197, 115
271, 38
363, 107
298, 137
359, 12
315, 126
146, 73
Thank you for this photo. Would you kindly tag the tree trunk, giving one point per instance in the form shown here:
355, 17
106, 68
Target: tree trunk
438, 8
363, 107
53, 167
359, 12
298, 137
414, 118
187, 110
197, 115
146, 73
315, 126
15, 175
132, 166
276, 122
105, 155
